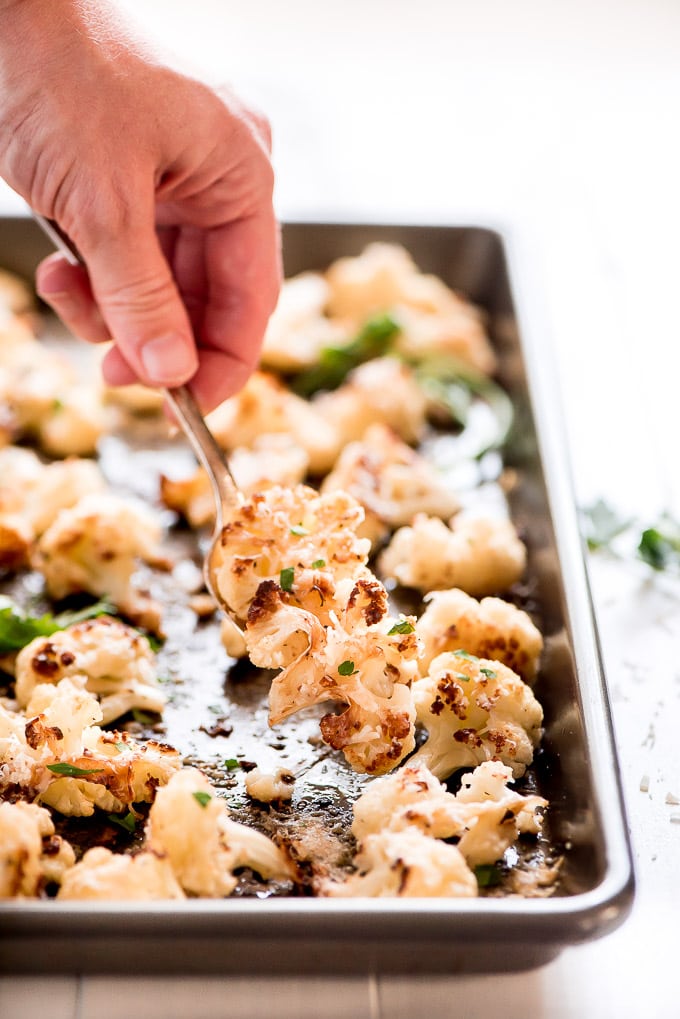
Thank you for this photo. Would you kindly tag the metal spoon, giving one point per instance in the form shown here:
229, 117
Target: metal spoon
225, 491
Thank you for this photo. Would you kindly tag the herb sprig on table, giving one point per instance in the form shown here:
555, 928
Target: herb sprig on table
657, 543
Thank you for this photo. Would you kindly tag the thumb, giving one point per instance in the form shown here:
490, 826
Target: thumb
136, 293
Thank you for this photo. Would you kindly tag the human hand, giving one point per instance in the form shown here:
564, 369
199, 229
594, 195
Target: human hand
164, 187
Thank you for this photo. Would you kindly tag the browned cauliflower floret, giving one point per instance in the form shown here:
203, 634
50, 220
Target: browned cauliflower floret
304, 541
57, 753
270, 786
361, 659
406, 864
432, 318
298, 330
111, 660
485, 815
273, 460
264, 407
104, 875
475, 710
381, 391
391, 481
490, 628
95, 546
31, 854
31, 495
480, 555
191, 825
44, 400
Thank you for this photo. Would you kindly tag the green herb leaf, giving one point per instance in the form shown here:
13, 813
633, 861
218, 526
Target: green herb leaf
119, 745
462, 677
202, 798
600, 524
489, 673
346, 668
286, 577
318, 564
488, 875
18, 629
128, 822
466, 654
659, 546
335, 363
401, 627
299, 530
471, 400
72, 770
232, 764
98, 608
143, 717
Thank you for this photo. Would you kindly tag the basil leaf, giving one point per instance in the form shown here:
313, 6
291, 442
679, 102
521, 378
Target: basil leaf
72, 770
335, 363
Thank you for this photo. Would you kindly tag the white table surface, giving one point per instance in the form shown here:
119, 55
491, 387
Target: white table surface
557, 121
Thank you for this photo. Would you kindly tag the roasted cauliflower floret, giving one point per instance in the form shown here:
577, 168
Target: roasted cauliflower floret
362, 660
45, 402
95, 546
273, 460
298, 330
111, 660
475, 710
191, 825
371, 282
480, 555
76, 422
57, 753
31, 854
490, 628
304, 541
406, 864
432, 318
485, 815
264, 407
380, 391
104, 875
270, 787
31, 495
391, 481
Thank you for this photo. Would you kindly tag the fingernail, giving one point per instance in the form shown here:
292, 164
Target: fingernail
167, 360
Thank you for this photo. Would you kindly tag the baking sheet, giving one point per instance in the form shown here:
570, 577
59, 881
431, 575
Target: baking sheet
259, 931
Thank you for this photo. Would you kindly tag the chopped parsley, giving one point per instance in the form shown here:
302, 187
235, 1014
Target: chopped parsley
231, 764
346, 668
299, 531
202, 798
489, 673
466, 654
403, 626
286, 578
318, 564
72, 770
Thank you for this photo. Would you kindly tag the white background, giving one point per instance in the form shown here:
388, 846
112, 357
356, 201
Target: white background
559, 122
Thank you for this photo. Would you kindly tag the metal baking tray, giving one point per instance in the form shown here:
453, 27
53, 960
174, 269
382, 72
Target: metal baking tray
576, 768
